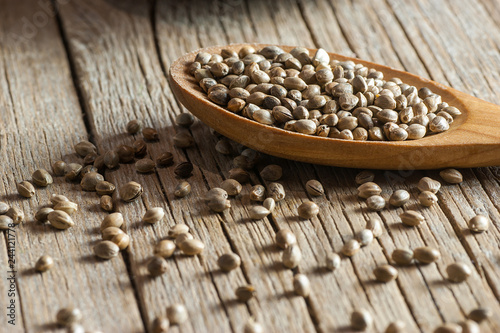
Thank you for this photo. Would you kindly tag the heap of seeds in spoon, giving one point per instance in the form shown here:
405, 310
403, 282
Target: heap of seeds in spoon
313, 94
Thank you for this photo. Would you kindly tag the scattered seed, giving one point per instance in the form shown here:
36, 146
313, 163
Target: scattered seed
231, 186
470, 326
426, 255
68, 316
164, 248
67, 206
285, 238
182, 189
276, 191
183, 169
165, 159
301, 285
364, 176
385, 273
214, 193
245, 293
150, 134
365, 237
429, 184
258, 193
105, 188
351, 247
427, 198
44, 263
368, 189
57, 198
314, 188
106, 249
240, 175
72, 171
258, 212
479, 223
229, 261
218, 204
191, 247
106, 203
269, 204
458, 272
361, 320
122, 240
90, 180
177, 314
125, 153
396, 327
375, 225
110, 232
42, 177
145, 165
182, 237
307, 210
160, 325
157, 266
402, 256
153, 215
451, 176
411, 218
332, 261
178, 229
253, 326
58, 168
183, 140
271, 172
133, 126
131, 191
375, 202
184, 119
5, 222
399, 198
84, 148
448, 328
480, 314
4, 207
60, 219
111, 159
42, 214
25, 189
292, 256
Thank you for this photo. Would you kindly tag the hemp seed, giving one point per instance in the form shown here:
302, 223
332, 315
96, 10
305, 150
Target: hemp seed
229, 261
252, 326
44, 263
3, 207
150, 134
182, 189
160, 325
245, 293
396, 327
470, 326
361, 320
271, 172
385, 273
105, 188
131, 191
177, 314
153, 215
191, 247
60, 219
458, 272
368, 189
402, 257
314, 188
479, 223
258, 212
178, 229
351, 247
58, 168
375, 202
399, 198
183, 169
285, 238
411, 218
106, 203
427, 198
25, 189
307, 210
426, 254
106, 249
165, 159
145, 165
68, 316
365, 237
157, 266
133, 126
67, 206
164, 248
258, 193
448, 328
90, 180
42, 214
42, 177
301, 285
480, 314
5, 222
231, 186
375, 225
332, 261
429, 184
451, 176
292, 256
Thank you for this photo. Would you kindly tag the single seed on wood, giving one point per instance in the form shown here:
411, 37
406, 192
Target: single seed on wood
218, 204
411, 218
68, 316
150, 134
177, 314
183, 139
153, 215
252, 326
182, 189
182, 237
368, 189
44, 263
351, 247
125, 153
131, 191
72, 171
178, 229
285, 238
191, 247
396, 327
164, 248
42, 177
364, 176
25, 189
84, 148
427, 198
106, 203
90, 180
60, 219
480, 314
133, 126
160, 325
42, 214
292, 256
269, 204
458, 272
375, 202
271, 172
448, 328
365, 237
122, 240
332, 261
470, 326
361, 320
245, 293
106, 249
3, 207
375, 225
479, 223
385, 273
231, 186
314, 188
399, 198
258, 212
451, 176
111, 159
67, 206
5, 222
110, 232
184, 119
301, 285
157, 266
307, 210
58, 168
426, 254
165, 159
257, 193
105, 188
429, 184
229, 261
16, 215
402, 256
183, 169
145, 165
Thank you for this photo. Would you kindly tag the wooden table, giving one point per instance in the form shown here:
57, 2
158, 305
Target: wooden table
84, 72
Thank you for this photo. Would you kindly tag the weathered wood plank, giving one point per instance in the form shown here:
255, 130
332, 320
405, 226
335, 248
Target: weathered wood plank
41, 120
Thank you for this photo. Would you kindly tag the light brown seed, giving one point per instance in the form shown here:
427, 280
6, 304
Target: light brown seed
178, 229
364, 176
177, 314
106, 203
470, 326
292, 256
368, 189
276, 191
60, 219
258, 193
150, 134
351, 247
72, 171
184, 119
252, 326
84, 148
301, 285
160, 325
106, 249
240, 175
145, 165
479, 223
429, 184
25, 189
308, 209
157, 266
245, 293
426, 254
67, 206
182, 237
229, 261
4, 207
332, 261
42, 177
271, 172
285, 238
258, 212
183, 139
122, 240
402, 256
15, 214
191, 247
182, 189
412, 218
44, 263
385, 273
361, 320
480, 314
427, 198
105, 188
365, 237
131, 191
396, 327
42, 214
57, 198
314, 188
58, 168
165, 159
451, 176
399, 198
164, 248
218, 204
231, 186
153, 215
68, 316
375, 202
375, 225
5, 222
458, 272
110, 232
90, 180
269, 204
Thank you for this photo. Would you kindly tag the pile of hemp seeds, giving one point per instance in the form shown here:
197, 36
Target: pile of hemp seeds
89, 173
315, 95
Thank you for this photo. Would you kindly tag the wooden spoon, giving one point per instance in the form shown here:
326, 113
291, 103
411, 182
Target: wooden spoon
473, 139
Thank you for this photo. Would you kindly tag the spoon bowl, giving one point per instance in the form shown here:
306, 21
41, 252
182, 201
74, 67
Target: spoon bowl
473, 139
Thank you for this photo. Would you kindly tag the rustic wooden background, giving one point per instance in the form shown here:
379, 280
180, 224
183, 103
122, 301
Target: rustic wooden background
83, 72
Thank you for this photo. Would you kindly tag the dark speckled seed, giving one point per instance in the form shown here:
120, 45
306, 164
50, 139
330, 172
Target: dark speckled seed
184, 169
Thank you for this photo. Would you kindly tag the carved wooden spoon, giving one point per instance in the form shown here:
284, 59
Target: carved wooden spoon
473, 139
